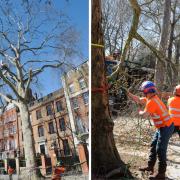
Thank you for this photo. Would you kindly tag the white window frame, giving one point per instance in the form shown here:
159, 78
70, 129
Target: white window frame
71, 88
87, 98
79, 124
39, 131
77, 104
82, 83
43, 143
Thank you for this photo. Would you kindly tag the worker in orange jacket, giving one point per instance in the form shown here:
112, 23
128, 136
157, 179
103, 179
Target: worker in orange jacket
157, 110
174, 108
58, 171
10, 172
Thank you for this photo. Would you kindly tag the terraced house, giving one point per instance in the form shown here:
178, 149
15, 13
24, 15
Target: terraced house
75, 84
57, 119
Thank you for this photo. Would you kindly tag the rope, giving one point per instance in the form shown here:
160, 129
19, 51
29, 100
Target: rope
101, 89
97, 45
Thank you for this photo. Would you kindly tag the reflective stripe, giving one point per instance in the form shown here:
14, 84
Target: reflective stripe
155, 117
162, 109
174, 109
167, 118
174, 115
158, 122
165, 114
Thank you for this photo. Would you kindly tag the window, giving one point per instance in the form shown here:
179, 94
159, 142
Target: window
59, 106
82, 83
6, 145
71, 88
66, 147
75, 103
42, 149
79, 125
49, 110
51, 128
62, 124
12, 118
41, 131
22, 137
12, 130
85, 97
11, 144
6, 132
38, 114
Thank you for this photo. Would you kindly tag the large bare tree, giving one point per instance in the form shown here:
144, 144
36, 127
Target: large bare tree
161, 26
31, 33
163, 44
115, 23
106, 161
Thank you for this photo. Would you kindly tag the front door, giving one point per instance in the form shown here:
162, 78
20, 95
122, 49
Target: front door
42, 149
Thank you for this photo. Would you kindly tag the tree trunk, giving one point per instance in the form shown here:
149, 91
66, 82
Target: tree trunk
105, 157
176, 74
160, 69
29, 144
170, 49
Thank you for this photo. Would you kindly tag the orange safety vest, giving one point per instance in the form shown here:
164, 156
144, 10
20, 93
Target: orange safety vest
10, 171
161, 117
174, 109
59, 170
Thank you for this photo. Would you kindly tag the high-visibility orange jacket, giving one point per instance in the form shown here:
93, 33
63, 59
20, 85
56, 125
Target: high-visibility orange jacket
158, 112
58, 173
10, 171
59, 170
174, 109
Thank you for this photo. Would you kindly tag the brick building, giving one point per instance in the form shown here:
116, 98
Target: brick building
55, 119
51, 127
8, 135
75, 84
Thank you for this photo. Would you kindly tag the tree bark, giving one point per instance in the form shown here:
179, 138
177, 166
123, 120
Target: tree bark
160, 69
105, 157
29, 144
176, 74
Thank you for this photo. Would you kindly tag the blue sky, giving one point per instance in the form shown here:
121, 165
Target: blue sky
46, 17
77, 11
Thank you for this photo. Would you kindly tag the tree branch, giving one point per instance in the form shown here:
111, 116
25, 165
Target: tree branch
9, 100
28, 82
8, 82
39, 61
8, 57
8, 40
38, 71
32, 49
133, 34
147, 3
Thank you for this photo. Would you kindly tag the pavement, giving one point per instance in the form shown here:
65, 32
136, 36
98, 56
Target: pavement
6, 177
71, 177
